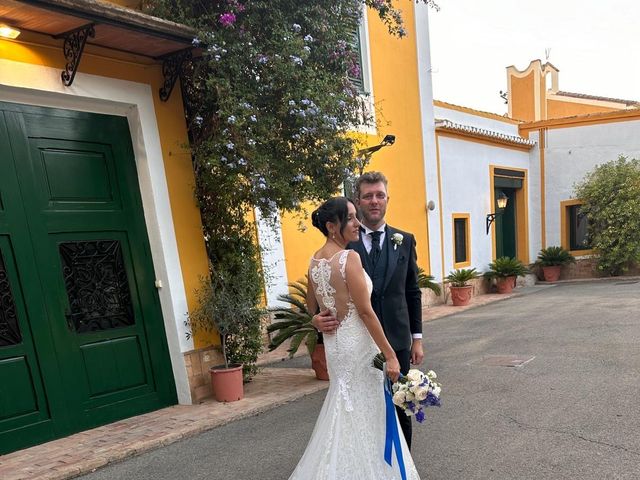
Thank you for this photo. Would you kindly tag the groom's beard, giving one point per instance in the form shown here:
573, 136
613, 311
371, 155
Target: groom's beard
369, 221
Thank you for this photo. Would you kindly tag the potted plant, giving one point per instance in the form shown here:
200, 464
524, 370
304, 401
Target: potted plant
505, 270
427, 281
459, 286
294, 323
227, 306
551, 259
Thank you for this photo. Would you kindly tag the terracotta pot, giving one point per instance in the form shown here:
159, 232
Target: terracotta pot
505, 284
461, 296
552, 273
319, 362
227, 382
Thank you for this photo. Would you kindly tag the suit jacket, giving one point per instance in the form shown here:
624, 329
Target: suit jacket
398, 303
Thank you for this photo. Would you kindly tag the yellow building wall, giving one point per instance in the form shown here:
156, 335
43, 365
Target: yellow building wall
396, 92
559, 109
523, 98
42, 50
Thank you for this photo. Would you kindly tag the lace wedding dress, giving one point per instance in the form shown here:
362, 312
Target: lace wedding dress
348, 440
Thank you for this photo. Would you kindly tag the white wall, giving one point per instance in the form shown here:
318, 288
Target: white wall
273, 261
427, 118
574, 151
467, 189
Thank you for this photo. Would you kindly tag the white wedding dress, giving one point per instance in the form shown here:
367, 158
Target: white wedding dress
348, 440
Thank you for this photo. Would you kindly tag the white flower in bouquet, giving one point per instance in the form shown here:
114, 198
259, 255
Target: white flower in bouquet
415, 375
399, 398
436, 390
432, 375
421, 394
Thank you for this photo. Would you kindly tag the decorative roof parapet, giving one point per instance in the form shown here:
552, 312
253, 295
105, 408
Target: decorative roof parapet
515, 140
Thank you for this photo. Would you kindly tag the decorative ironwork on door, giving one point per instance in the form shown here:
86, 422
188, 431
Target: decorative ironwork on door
9, 328
97, 285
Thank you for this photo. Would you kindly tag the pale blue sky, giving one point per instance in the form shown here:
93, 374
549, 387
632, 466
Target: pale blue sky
593, 43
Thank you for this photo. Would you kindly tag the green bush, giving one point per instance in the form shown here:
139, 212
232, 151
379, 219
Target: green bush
611, 196
461, 277
227, 305
553, 256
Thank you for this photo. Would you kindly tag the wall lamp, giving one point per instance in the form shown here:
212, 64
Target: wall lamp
364, 154
7, 32
502, 204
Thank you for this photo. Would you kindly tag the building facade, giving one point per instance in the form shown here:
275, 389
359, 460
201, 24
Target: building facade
100, 238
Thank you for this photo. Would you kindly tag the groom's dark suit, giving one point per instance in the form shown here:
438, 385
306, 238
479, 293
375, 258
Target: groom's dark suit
395, 297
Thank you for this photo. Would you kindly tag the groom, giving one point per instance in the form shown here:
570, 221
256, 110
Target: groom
389, 257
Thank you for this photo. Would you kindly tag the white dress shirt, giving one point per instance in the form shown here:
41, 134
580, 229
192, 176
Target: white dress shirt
366, 237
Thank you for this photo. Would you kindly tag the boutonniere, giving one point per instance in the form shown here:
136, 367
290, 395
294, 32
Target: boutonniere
396, 238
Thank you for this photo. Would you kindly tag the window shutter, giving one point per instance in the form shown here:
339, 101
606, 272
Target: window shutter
356, 44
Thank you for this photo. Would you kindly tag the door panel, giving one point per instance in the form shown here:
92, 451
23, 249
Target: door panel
96, 318
506, 226
26, 353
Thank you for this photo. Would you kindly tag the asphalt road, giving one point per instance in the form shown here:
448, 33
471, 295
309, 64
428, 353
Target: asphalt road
570, 411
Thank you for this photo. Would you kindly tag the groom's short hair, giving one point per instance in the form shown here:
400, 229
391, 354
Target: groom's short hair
369, 177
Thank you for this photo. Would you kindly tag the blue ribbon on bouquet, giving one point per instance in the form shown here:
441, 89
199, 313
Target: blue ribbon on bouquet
392, 437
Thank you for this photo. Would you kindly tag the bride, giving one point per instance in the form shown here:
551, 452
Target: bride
348, 441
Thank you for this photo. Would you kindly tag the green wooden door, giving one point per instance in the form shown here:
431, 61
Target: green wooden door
99, 350
506, 225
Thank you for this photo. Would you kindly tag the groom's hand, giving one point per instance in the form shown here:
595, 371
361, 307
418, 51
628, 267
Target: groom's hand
417, 354
324, 321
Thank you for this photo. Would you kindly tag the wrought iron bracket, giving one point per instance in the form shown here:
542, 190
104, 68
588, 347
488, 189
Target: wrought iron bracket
491, 217
172, 69
74, 42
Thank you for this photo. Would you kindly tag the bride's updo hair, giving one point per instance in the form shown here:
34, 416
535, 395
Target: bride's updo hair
334, 210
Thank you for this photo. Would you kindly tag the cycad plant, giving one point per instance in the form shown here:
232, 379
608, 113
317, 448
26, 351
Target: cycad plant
427, 281
553, 256
293, 322
506, 267
461, 277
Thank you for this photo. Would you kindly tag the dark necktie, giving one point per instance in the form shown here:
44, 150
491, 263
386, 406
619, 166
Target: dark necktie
375, 247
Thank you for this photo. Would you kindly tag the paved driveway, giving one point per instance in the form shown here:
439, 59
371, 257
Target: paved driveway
569, 411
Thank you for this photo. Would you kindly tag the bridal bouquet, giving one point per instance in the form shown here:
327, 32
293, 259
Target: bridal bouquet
414, 391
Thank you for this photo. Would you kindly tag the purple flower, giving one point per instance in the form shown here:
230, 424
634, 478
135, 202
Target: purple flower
262, 59
227, 19
432, 400
411, 406
420, 416
295, 59
354, 71
308, 38
195, 42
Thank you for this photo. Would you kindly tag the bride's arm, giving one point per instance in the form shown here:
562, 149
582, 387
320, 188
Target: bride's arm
357, 286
